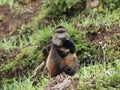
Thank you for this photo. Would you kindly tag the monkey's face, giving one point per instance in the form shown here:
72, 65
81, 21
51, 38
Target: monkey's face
71, 64
57, 38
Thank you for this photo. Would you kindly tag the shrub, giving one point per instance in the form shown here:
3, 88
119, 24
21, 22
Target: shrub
61, 7
9, 2
111, 4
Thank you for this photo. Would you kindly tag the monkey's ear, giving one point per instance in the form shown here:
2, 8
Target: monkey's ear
62, 54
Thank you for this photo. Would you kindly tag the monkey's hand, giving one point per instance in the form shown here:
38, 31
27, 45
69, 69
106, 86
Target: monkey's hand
62, 53
68, 44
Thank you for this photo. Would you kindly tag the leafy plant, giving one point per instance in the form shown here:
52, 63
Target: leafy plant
110, 4
9, 2
24, 83
61, 8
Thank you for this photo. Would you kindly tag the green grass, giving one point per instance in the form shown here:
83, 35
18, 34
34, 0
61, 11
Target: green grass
97, 19
100, 77
35, 40
31, 40
31, 34
9, 2
39, 35
92, 77
24, 84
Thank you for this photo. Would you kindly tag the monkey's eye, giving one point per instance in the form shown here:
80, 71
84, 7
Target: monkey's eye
60, 31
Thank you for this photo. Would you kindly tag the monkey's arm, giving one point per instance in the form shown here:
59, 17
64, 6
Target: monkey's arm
69, 45
63, 53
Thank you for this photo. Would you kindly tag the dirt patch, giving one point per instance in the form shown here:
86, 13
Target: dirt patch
9, 53
112, 31
6, 54
13, 18
103, 33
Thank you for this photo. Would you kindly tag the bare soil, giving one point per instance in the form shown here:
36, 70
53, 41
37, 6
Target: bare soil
12, 21
103, 32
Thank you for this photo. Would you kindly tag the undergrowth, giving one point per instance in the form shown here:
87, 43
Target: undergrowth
92, 77
99, 77
99, 66
36, 39
31, 34
25, 83
10, 2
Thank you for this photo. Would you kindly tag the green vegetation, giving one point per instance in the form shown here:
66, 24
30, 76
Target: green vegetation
10, 2
61, 8
92, 77
95, 33
24, 84
99, 77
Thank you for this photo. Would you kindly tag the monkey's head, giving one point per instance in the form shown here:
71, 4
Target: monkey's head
60, 33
